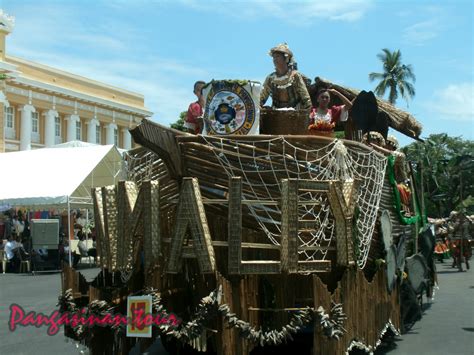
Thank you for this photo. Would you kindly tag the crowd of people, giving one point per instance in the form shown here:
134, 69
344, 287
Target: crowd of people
15, 241
16, 245
453, 235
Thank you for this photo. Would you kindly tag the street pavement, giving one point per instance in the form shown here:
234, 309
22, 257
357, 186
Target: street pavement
37, 293
447, 326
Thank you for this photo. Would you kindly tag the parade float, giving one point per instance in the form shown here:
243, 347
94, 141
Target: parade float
254, 241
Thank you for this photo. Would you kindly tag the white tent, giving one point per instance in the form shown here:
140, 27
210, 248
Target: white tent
61, 176
57, 176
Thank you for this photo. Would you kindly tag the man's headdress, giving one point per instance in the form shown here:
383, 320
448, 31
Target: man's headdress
282, 48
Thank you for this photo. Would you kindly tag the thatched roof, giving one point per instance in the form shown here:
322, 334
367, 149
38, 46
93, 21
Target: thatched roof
399, 120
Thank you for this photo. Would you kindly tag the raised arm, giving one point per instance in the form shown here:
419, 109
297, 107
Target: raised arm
346, 102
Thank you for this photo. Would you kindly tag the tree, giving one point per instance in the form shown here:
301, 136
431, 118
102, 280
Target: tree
395, 77
179, 124
448, 173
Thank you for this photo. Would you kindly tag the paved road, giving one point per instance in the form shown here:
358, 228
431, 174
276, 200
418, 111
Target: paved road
447, 327
37, 293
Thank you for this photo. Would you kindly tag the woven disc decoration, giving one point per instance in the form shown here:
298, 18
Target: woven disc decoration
231, 108
386, 228
417, 272
391, 260
427, 243
401, 253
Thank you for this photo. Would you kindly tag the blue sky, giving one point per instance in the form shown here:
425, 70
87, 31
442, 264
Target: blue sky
160, 48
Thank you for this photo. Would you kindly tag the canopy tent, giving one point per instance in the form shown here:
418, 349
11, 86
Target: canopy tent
82, 144
57, 176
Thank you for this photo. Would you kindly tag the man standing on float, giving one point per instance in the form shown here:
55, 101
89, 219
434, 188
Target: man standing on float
286, 85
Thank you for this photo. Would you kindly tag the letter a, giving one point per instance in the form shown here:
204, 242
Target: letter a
190, 213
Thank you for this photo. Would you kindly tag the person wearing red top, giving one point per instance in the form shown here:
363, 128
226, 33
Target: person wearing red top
323, 117
193, 123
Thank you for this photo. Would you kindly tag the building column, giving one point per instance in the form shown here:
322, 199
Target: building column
127, 139
25, 131
71, 127
49, 128
91, 130
109, 133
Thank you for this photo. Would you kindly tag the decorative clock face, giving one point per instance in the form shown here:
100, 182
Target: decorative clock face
229, 109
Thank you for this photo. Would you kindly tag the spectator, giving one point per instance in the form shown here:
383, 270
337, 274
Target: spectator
8, 226
74, 256
26, 236
83, 250
12, 255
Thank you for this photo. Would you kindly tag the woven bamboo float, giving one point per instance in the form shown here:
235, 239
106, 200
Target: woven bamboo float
187, 172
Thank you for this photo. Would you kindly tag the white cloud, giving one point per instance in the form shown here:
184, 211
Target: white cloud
455, 102
115, 47
63, 27
294, 11
162, 95
113, 56
430, 21
421, 32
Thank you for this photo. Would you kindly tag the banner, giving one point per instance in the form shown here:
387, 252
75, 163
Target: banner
231, 107
138, 307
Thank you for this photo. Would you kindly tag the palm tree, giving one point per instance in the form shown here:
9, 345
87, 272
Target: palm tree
395, 77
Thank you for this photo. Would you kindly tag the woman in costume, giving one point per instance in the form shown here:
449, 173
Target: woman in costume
193, 121
440, 251
324, 118
286, 85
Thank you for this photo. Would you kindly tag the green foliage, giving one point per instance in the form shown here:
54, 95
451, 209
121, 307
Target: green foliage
179, 124
448, 173
229, 81
395, 77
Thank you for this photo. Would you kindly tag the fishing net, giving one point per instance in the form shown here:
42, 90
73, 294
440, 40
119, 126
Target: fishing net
262, 164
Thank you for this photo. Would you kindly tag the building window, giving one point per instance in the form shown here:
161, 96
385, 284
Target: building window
9, 114
35, 122
57, 130
57, 126
35, 136
9, 117
78, 130
116, 138
98, 133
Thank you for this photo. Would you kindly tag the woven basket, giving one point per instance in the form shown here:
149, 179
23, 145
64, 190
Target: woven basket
314, 132
278, 122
